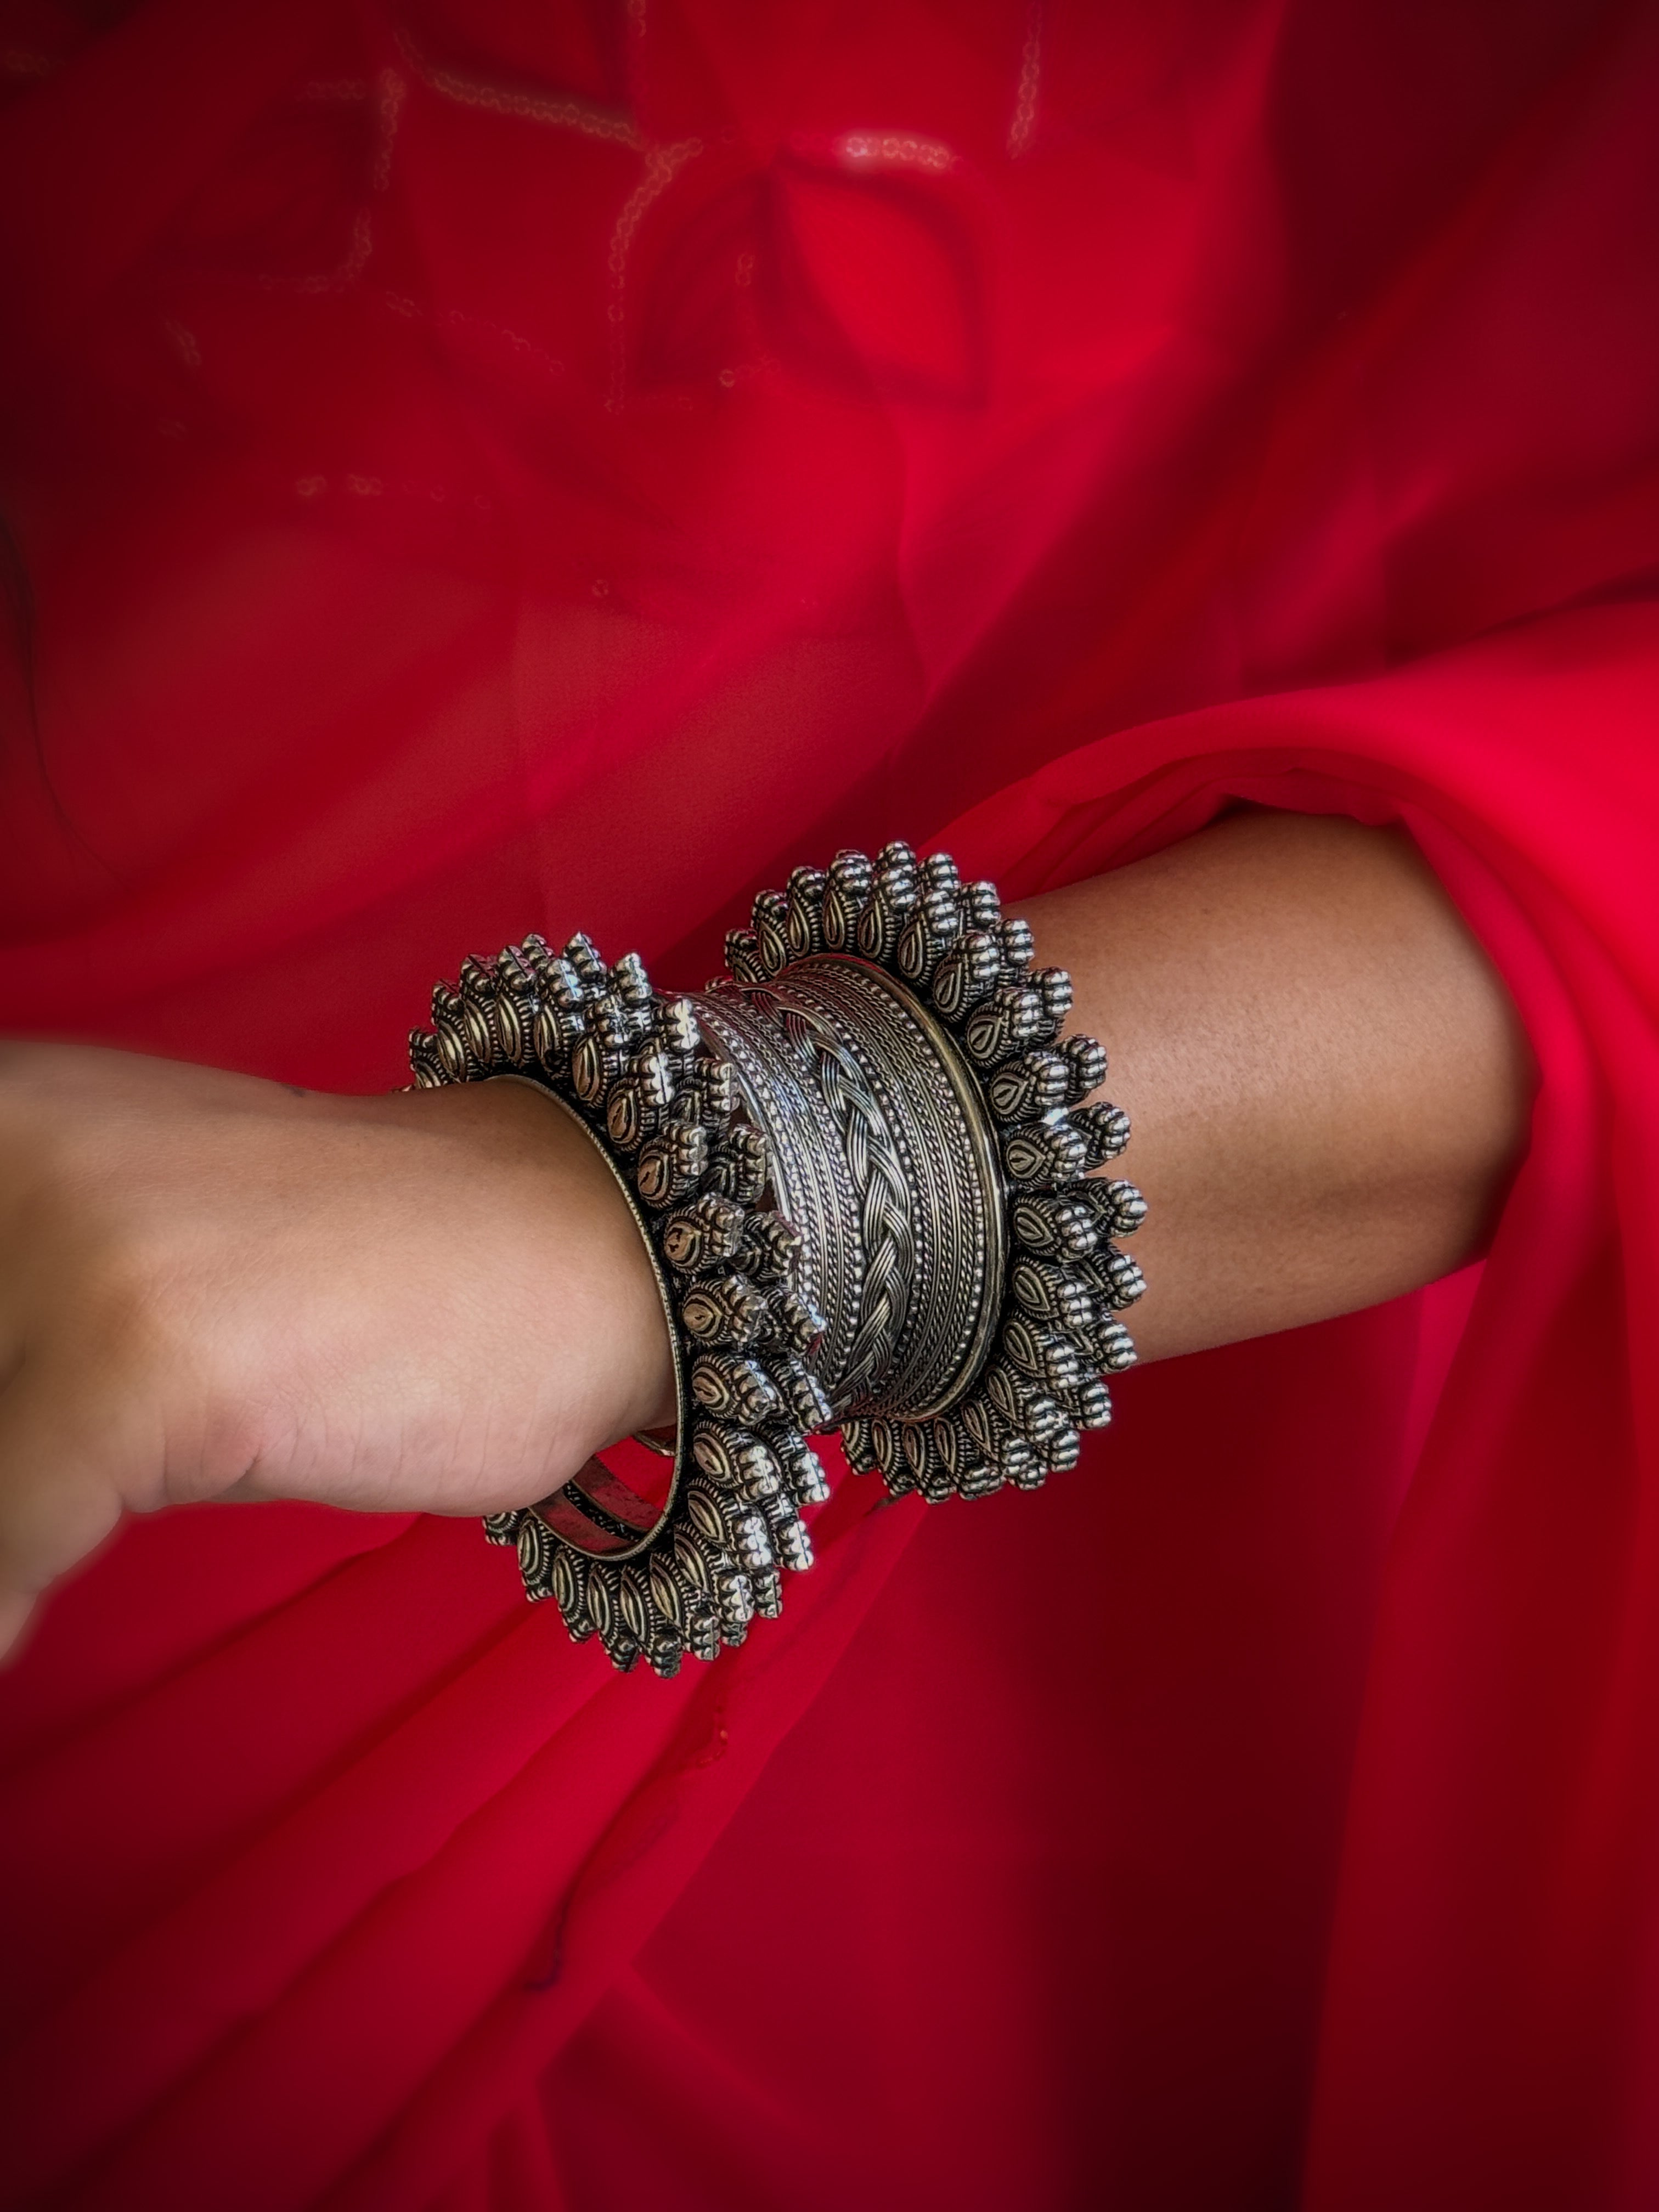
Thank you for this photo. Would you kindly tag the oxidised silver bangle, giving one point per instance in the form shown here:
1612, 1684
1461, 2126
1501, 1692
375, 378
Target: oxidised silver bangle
859, 1162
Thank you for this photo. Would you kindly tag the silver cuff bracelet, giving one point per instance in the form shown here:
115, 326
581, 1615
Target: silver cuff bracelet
859, 1163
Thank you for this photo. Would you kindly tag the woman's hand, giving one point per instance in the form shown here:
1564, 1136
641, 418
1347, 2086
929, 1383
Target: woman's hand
212, 1286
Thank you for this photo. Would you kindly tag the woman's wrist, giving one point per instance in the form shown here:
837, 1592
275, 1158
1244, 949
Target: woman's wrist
598, 1313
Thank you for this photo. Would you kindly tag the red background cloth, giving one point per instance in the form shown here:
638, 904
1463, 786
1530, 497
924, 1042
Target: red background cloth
492, 467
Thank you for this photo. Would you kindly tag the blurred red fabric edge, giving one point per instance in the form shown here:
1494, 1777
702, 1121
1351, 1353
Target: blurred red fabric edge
495, 469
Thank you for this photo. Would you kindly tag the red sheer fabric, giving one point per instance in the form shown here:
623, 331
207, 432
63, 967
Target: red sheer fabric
479, 468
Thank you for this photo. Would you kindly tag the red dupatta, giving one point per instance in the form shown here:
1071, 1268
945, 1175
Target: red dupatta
474, 473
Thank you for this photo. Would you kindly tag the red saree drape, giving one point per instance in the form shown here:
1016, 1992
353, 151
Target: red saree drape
479, 468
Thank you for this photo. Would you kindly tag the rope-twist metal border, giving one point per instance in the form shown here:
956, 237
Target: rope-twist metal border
884, 1193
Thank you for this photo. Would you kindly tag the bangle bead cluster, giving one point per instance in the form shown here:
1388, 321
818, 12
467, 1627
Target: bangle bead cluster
862, 1162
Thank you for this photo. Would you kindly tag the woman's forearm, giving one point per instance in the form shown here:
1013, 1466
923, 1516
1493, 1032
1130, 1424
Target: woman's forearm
1327, 1083
440, 1301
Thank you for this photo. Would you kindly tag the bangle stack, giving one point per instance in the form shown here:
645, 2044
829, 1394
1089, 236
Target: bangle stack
861, 1162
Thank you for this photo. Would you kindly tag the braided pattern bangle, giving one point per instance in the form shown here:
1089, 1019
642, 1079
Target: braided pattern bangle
879, 1179
861, 1162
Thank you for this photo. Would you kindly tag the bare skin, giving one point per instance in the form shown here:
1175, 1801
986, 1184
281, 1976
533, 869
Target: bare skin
214, 1287
1328, 1086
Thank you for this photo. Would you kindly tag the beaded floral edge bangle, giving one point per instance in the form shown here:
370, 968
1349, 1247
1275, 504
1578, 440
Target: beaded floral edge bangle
861, 1162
